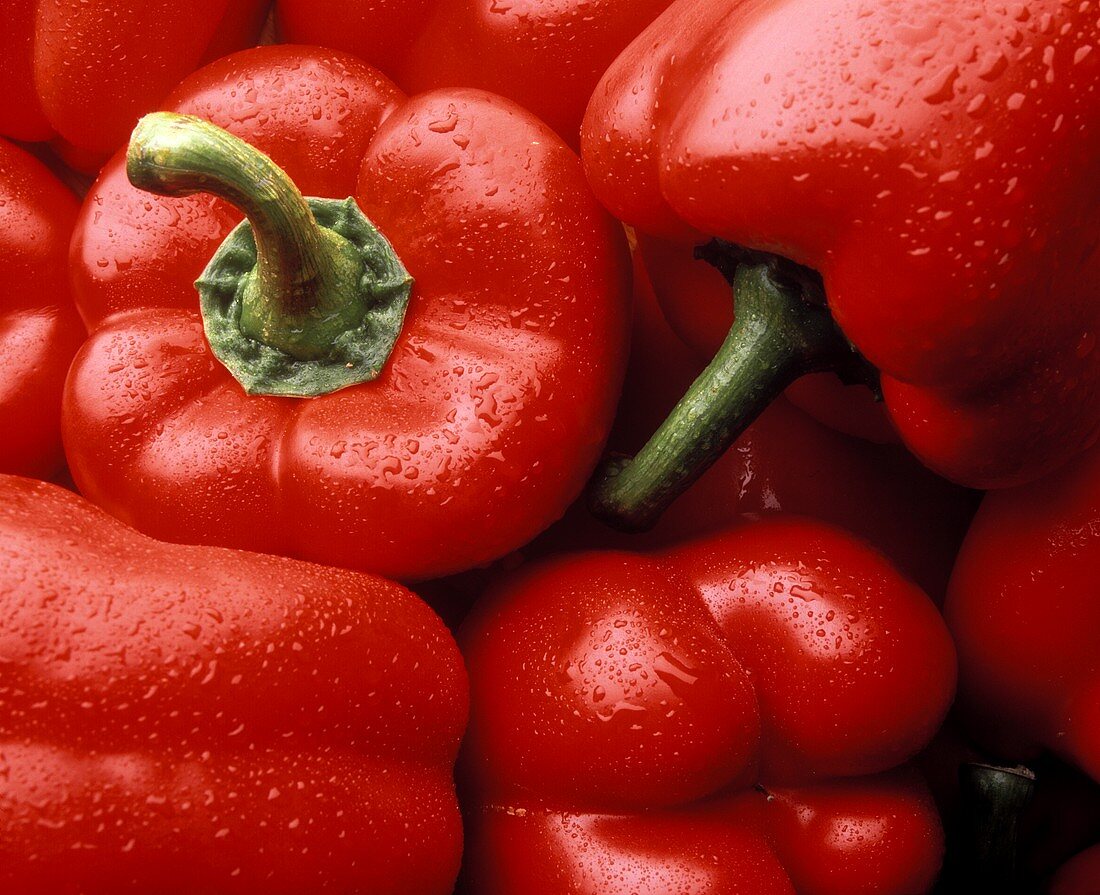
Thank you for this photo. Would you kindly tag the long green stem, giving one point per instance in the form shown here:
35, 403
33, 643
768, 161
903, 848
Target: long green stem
777, 336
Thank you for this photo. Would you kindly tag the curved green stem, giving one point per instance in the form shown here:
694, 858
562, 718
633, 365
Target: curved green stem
296, 297
777, 336
306, 296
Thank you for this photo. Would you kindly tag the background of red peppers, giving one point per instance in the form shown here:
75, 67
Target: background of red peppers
827, 503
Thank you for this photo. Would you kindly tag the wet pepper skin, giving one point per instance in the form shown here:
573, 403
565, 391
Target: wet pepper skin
188, 719
1024, 611
494, 405
934, 160
40, 330
85, 70
623, 708
547, 55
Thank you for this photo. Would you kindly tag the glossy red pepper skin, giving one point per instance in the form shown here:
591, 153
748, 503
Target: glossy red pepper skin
85, 70
934, 161
547, 55
622, 707
187, 719
494, 405
784, 462
40, 330
1024, 611
783, 842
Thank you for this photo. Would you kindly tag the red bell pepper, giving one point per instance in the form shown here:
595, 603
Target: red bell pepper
490, 412
39, 327
85, 70
188, 719
1024, 611
927, 169
547, 55
705, 720
783, 462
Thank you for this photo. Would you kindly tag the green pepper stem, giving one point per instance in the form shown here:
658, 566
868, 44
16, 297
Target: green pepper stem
985, 856
777, 336
296, 299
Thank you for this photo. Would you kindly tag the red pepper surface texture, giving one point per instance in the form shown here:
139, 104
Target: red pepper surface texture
1081, 876
190, 719
495, 402
934, 161
547, 55
1023, 608
784, 462
723, 717
40, 330
83, 71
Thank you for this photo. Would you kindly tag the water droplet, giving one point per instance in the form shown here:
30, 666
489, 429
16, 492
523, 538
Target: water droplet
941, 88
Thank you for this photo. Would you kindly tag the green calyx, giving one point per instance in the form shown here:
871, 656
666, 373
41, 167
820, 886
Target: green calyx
303, 298
344, 340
